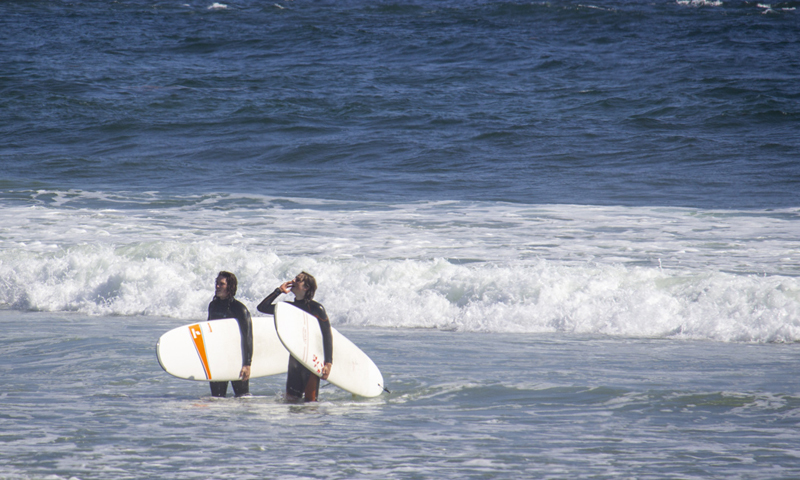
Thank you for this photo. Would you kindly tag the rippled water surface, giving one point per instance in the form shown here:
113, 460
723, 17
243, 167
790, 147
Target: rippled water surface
85, 398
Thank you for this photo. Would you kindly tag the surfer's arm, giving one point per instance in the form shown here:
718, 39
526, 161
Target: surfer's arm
327, 337
246, 329
266, 305
317, 310
327, 344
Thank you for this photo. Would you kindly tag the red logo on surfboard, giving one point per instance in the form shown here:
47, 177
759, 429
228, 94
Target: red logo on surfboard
317, 364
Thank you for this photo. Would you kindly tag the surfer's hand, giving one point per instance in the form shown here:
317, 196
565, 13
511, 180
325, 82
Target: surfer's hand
326, 370
286, 287
245, 373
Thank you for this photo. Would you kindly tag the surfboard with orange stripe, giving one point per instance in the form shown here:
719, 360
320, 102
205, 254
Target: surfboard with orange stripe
212, 350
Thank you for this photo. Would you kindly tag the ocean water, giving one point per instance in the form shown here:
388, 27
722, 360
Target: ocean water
568, 234
85, 398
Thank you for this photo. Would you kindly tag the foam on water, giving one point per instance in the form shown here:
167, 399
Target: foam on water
85, 398
700, 3
641, 272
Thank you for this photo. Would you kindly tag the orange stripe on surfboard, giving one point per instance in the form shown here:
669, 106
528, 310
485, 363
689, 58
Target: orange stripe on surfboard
197, 335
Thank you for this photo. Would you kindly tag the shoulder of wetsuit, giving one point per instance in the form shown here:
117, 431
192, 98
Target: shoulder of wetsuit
316, 309
217, 309
239, 309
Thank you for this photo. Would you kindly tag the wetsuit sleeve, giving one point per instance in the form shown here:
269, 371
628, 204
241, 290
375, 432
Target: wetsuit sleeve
327, 340
325, 328
246, 329
266, 305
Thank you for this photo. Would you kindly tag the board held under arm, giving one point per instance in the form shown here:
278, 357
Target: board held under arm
212, 350
352, 370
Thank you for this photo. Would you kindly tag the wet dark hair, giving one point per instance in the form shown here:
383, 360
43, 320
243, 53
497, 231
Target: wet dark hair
233, 284
311, 285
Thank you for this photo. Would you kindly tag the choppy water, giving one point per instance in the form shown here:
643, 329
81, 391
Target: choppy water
566, 232
85, 398
612, 102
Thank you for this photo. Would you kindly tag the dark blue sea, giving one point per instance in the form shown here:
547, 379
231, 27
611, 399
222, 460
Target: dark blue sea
567, 233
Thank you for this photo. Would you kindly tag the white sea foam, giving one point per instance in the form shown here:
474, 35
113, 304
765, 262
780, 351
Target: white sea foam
701, 3
643, 272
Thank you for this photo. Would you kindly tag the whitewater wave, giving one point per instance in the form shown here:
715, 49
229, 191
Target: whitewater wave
464, 266
176, 280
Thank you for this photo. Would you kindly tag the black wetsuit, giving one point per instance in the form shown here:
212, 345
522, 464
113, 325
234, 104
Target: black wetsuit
232, 308
297, 379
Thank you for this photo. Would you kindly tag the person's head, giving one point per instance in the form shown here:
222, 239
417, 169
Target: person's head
226, 285
304, 286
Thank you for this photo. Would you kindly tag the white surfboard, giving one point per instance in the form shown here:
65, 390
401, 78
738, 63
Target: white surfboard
352, 369
213, 351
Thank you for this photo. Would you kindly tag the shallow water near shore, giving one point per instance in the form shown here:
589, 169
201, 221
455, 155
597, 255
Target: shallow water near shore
85, 398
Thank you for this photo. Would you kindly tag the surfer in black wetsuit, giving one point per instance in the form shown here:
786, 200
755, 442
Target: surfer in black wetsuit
225, 306
300, 381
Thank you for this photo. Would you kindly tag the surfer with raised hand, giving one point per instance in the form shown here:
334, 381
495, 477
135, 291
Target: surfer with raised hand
224, 305
300, 381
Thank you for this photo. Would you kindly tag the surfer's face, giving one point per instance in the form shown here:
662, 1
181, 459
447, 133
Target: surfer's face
222, 287
299, 288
